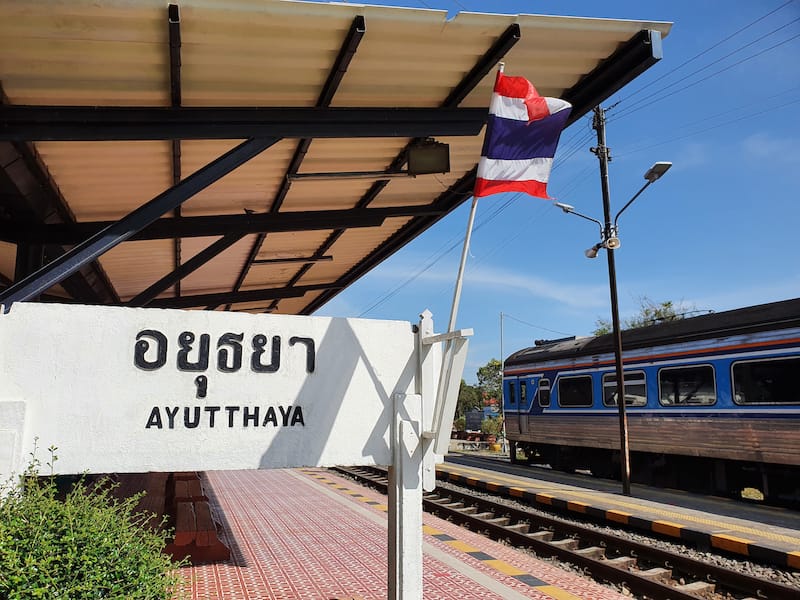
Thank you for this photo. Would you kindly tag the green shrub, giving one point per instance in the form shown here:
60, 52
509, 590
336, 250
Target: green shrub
87, 544
460, 424
492, 425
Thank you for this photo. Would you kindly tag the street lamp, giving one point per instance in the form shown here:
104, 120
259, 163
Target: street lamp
610, 241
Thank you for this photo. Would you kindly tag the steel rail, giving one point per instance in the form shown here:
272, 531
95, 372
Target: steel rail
601, 569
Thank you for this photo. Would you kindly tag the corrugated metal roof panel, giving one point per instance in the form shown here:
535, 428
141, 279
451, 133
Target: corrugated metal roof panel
267, 53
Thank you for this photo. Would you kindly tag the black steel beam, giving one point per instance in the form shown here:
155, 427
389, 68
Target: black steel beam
486, 63
346, 53
208, 300
166, 228
191, 265
629, 61
140, 218
490, 58
99, 123
175, 92
447, 201
31, 197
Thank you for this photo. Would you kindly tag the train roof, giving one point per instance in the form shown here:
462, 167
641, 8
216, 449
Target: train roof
775, 315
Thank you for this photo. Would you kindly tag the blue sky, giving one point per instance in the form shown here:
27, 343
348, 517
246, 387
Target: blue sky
719, 231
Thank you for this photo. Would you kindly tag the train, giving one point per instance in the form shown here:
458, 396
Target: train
712, 403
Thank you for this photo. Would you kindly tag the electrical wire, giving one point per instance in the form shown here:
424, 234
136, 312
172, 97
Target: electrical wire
707, 50
661, 97
513, 318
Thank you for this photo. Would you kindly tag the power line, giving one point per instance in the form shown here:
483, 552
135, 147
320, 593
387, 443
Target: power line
729, 122
637, 106
709, 49
534, 326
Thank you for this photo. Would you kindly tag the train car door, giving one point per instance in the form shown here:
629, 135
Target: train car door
511, 404
523, 405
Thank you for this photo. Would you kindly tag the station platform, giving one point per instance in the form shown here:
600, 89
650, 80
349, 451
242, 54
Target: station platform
768, 534
310, 534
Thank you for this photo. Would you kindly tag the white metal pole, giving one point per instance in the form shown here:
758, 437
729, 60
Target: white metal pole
460, 278
502, 386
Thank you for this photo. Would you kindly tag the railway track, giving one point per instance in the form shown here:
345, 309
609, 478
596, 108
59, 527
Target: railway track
646, 571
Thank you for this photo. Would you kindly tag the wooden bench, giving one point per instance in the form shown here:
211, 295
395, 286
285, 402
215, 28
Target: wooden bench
196, 531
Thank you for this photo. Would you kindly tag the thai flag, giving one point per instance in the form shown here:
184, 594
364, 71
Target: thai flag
521, 139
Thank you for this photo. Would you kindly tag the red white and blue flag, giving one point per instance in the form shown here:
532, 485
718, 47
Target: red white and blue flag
521, 139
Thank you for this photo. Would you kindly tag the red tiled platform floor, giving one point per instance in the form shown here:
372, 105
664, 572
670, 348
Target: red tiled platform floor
308, 534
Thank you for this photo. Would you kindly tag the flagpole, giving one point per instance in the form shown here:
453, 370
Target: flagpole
460, 278
465, 250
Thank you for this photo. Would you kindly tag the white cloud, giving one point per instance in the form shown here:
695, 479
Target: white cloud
775, 150
694, 154
575, 296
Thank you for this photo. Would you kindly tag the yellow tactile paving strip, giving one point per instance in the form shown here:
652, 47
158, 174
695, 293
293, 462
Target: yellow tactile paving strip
683, 524
500, 480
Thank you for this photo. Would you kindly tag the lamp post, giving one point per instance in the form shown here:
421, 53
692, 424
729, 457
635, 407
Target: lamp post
610, 241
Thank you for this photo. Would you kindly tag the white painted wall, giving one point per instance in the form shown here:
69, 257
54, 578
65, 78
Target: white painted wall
68, 378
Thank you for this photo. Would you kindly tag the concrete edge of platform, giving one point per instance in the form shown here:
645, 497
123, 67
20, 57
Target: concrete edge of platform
727, 543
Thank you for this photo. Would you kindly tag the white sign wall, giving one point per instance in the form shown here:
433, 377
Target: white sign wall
131, 390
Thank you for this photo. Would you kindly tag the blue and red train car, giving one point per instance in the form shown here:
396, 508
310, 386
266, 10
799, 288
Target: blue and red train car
712, 402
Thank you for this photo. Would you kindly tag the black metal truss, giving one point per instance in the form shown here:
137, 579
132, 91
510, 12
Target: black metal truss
31, 196
340, 66
84, 253
629, 61
181, 271
447, 201
632, 58
126, 123
346, 53
184, 227
175, 93
486, 63
209, 300
18, 123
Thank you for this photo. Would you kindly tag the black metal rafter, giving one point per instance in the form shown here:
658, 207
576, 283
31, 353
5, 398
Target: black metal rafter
346, 53
32, 197
123, 229
632, 58
233, 233
629, 61
174, 29
127, 123
204, 226
482, 67
191, 265
449, 199
213, 300
291, 222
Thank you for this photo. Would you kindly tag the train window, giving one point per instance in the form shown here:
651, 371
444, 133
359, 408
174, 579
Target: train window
635, 389
523, 392
681, 386
544, 393
766, 381
575, 391
512, 393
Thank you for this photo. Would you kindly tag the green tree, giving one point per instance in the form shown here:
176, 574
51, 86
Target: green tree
650, 313
490, 379
469, 398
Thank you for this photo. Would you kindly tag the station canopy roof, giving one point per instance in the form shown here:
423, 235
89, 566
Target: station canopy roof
249, 154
